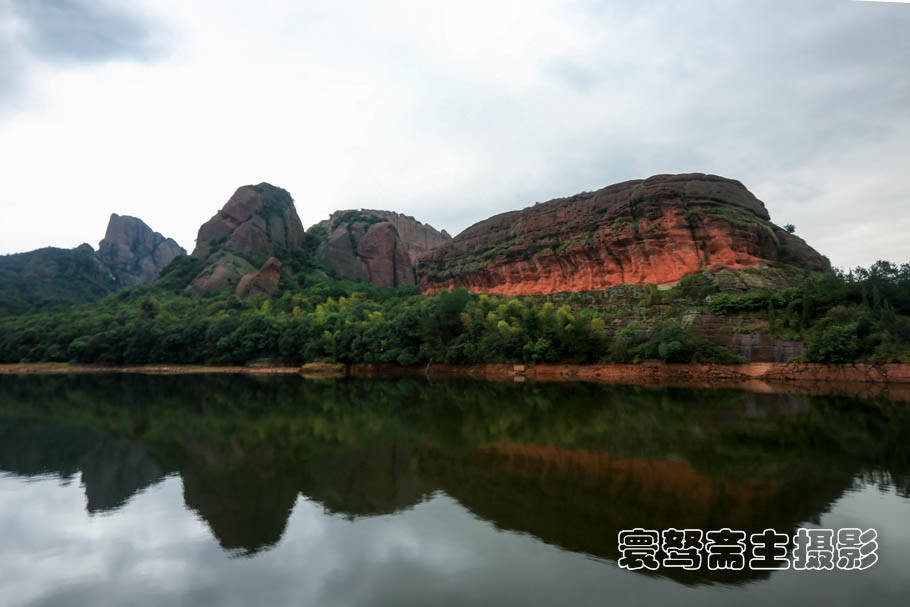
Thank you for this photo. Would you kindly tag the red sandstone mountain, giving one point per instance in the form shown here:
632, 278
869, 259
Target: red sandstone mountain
381, 247
644, 231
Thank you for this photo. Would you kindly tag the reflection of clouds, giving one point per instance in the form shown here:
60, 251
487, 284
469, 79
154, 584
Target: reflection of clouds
153, 551
62, 545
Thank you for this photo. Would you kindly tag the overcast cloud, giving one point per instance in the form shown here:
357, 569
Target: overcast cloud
450, 112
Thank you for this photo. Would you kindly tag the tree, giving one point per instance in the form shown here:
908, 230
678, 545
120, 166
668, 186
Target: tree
790, 228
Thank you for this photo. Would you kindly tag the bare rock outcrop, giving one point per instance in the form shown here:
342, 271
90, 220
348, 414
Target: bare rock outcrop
654, 230
380, 247
264, 281
258, 222
134, 253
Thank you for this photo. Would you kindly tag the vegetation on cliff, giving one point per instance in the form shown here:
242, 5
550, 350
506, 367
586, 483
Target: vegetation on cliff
861, 315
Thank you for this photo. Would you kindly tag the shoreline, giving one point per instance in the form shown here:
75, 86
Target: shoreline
86, 369
890, 381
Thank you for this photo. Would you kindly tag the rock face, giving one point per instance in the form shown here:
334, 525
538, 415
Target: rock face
644, 231
381, 247
262, 282
134, 253
417, 237
258, 222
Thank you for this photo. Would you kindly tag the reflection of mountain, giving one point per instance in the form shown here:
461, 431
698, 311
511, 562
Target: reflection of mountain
247, 504
112, 470
579, 500
569, 464
364, 482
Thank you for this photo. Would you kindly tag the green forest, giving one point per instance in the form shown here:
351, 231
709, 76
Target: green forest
861, 315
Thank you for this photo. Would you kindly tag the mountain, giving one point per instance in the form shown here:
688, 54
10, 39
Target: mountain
134, 253
51, 276
256, 223
654, 230
381, 247
130, 254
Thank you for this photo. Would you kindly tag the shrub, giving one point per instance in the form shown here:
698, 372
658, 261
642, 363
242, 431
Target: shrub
835, 344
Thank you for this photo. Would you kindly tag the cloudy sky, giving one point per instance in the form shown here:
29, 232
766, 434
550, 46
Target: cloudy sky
450, 111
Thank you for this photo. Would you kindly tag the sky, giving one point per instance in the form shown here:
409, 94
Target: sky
450, 111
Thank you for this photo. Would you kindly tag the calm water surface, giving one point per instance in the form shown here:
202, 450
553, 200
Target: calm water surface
214, 490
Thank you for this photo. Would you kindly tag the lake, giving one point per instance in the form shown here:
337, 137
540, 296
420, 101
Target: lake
243, 490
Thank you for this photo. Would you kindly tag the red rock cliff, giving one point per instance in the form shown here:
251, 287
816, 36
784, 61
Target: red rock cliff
643, 231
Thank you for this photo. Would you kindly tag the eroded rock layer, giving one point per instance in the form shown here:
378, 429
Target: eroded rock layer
643, 231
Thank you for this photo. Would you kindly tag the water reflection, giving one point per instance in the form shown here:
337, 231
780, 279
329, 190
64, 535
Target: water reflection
568, 465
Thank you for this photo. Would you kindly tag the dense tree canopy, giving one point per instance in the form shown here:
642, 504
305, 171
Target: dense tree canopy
861, 315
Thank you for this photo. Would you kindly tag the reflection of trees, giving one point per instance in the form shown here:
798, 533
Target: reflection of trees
571, 464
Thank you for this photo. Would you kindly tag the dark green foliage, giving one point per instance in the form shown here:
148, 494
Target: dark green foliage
670, 342
356, 216
695, 287
320, 318
843, 317
835, 344
275, 200
328, 320
51, 277
729, 303
178, 274
440, 321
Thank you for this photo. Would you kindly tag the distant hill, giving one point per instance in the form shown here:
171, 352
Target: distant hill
52, 276
130, 254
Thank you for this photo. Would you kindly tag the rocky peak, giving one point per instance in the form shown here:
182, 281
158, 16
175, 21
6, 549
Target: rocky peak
134, 253
257, 222
654, 230
416, 237
381, 247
